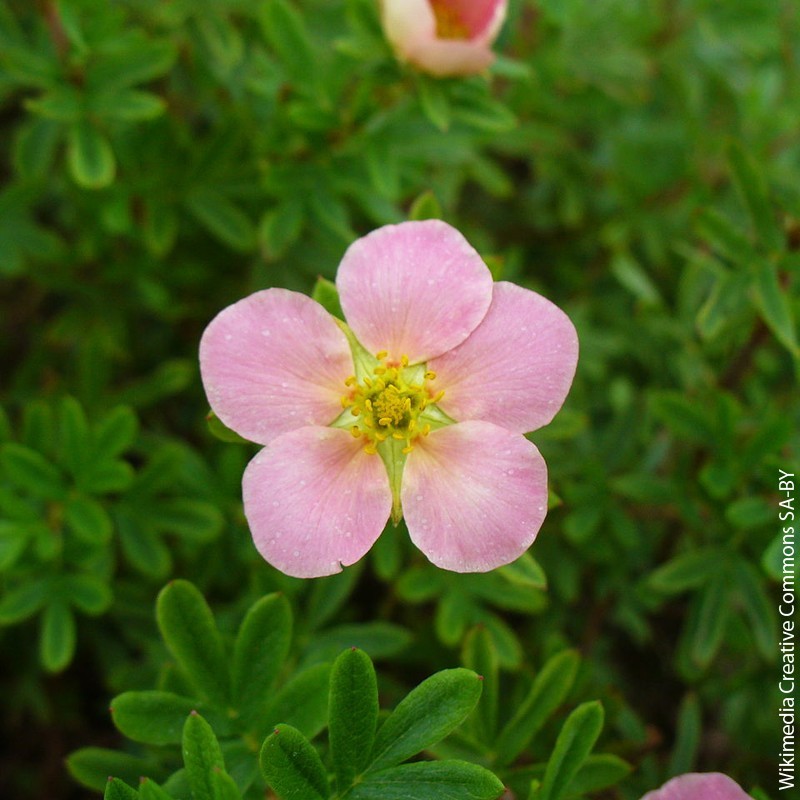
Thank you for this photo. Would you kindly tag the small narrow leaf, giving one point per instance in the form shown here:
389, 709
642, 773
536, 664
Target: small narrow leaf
772, 301
292, 767
189, 630
118, 790
426, 715
89, 156
574, 743
353, 714
151, 717
261, 648
201, 756
480, 654
430, 780
548, 691
57, 636
302, 702
327, 295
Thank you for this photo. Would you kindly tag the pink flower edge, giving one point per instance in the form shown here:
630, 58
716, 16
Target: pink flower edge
273, 362
315, 502
699, 786
474, 496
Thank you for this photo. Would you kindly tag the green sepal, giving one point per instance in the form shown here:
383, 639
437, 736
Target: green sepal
327, 295
222, 432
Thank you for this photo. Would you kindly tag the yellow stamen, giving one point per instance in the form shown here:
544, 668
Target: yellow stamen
430, 375
355, 431
380, 356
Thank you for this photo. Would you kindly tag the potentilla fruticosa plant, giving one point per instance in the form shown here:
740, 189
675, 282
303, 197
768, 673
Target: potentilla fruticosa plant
414, 408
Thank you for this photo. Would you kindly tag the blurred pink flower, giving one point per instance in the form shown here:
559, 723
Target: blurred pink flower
699, 786
444, 37
416, 407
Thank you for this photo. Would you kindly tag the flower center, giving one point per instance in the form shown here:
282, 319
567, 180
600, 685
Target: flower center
390, 403
449, 24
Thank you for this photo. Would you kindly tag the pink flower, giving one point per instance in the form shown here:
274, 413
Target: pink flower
444, 37
699, 786
416, 407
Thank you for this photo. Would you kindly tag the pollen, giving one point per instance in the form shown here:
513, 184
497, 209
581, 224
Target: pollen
387, 404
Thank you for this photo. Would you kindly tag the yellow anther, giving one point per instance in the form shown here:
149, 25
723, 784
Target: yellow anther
355, 411
380, 370
355, 431
403, 361
370, 449
398, 436
385, 421
437, 397
426, 430
408, 449
407, 404
350, 381
368, 405
430, 375
380, 356
368, 383
346, 401
381, 437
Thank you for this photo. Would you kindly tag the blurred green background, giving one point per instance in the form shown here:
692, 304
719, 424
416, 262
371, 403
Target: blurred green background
636, 161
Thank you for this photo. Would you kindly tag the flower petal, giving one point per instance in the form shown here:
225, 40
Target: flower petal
699, 786
450, 57
406, 22
416, 289
315, 501
482, 18
474, 496
516, 367
273, 362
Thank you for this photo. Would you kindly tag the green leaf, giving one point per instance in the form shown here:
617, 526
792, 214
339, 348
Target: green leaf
128, 105
189, 630
292, 767
88, 520
753, 188
224, 786
686, 571
194, 520
302, 702
62, 104
90, 593
135, 60
116, 432
598, 772
687, 736
91, 766
285, 31
430, 780
31, 471
426, 715
633, 277
757, 606
152, 717
57, 636
526, 572
574, 743
710, 619
772, 301
353, 714
74, 441
201, 756
549, 690
280, 227
14, 538
89, 156
142, 546
35, 148
426, 206
262, 645
327, 295
684, 415
379, 639
119, 790
480, 655
435, 103
150, 790
222, 218
725, 237
23, 601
